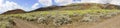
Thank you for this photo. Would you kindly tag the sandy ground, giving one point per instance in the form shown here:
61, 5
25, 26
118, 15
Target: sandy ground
24, 24
110, 23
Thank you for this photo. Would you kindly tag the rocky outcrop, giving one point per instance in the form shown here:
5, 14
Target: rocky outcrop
15, 11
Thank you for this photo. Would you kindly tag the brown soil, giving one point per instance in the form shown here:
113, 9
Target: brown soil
110, 23
15, 11
24, 24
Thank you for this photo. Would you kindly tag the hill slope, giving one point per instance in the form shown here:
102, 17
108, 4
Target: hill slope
70, 16
80, 6
15, 11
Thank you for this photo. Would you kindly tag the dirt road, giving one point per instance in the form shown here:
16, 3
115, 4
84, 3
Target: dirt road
110, 23
24, 24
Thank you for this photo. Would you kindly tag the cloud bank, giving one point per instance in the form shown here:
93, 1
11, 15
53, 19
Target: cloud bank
116, 2
45, 2
63, 2
8, 6
35, 6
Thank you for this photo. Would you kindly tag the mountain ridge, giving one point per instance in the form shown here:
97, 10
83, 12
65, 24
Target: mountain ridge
80, 6
15, 11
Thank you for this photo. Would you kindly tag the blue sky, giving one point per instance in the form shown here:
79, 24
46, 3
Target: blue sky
29, 5
25, 3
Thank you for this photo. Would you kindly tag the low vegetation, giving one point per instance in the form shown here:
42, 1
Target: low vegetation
6, 22
59, 18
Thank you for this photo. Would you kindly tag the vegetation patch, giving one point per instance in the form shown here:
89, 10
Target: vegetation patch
59, 18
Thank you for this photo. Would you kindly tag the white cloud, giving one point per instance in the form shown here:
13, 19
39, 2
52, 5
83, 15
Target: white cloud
116, 2
66, 2
89, 1
35, 6
59, 2
1, 1
12, 5
95, 1
9, 6
46, 2
63, 2
76, 1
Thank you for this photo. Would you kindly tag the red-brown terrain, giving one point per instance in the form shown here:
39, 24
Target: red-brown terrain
15, 11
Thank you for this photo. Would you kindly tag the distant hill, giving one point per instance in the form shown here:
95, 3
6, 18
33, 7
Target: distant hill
15, 11
80, 6
94, 5
49, 8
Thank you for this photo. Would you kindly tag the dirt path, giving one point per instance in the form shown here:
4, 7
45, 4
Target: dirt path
24, 24
110, 23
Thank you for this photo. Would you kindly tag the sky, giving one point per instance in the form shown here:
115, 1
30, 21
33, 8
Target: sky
29, 5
